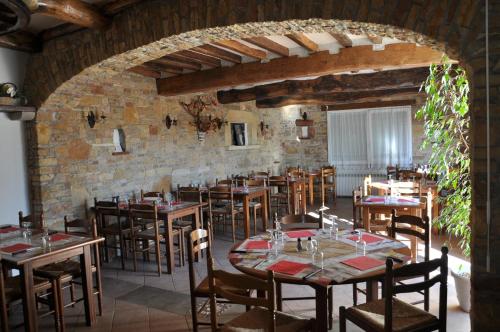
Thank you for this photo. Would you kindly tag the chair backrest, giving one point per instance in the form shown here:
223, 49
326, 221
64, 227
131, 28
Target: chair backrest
239, 180
391, 170
226, 182
154, 194
224, 284
357, 196
328, 172
296, 172
254, 175
367, 181
148, 212
78, 226
413, 226
413, 271
30, 218
413, 188
199, 240
300, 221
189, 194
256, 182
103, 209
408, 175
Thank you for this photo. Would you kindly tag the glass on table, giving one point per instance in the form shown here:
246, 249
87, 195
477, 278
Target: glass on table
26, 225
318, 259
360, 243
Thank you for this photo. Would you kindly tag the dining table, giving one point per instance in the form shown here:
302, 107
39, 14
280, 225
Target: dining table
347, 258
168, 212
25, 253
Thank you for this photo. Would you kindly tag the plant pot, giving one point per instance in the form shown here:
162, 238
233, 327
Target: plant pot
462, 286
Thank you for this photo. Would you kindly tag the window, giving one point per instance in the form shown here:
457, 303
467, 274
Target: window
370, 138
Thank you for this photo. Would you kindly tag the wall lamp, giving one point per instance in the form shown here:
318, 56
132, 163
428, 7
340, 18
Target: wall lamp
93, 118
170, 121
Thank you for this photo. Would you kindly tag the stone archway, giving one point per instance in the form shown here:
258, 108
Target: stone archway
152, 29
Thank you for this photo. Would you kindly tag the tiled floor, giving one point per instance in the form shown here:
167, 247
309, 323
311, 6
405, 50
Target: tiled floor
142, 301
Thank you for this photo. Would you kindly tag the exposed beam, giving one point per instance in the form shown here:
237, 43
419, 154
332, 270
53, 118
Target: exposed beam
117, 6
269, 45
241, 48
59, 30
145, 71
304, 41
322, 63
376, 39
217, 53
163, 67
21, 41
200, 58
182, 64
390, 79
342, 38
338, 97
373, 104
74, 11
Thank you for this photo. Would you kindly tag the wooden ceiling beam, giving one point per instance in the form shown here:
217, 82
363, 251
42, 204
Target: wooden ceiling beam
342, 38
390, 79
269, 45
164, 67
372, 104
339, 97
74, 11
200, 58
114, 7
59, 31
145, 71
217, 53
182, 64
21, 41
304, 41
318, 64
241, 48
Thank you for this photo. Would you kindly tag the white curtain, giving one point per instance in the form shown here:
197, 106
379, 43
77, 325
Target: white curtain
370, 138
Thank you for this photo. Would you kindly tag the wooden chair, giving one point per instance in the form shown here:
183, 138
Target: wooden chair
263, 316
303, 221
224, 182
153, 194
106, 210
239, 180
409, 175
392, 314
391, 171
254, 205
279, 193
225, 196
145, 237
328, 183
357, 216
259, 175
188, 194
33, 222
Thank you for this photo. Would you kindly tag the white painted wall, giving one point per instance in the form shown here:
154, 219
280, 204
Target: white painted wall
14, 194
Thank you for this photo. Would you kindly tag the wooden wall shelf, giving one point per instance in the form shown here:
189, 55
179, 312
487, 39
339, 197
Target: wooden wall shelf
120, 153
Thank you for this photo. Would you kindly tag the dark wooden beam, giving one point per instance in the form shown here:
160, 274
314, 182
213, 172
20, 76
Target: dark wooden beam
269, 45
175, 62
145, 71
114, 7
199, 58
342, 38
373, 104
241, 48
59, 31
304, 41
217, 53
339, 97
390, 79
21, 41
74, 11
163, 67
317, 64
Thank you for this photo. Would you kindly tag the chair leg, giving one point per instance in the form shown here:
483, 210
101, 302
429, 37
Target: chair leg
134, 258
342, 319
58, 304
355, 294
72, 294
194, 313
279, 296
233, 227
122, 251
98, 284
158, 256
330, 308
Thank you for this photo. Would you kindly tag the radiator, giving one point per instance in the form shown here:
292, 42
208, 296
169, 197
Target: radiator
347, 180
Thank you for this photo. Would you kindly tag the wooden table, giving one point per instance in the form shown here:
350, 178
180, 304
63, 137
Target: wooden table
26, 263
168, 214
321, 289
310, 183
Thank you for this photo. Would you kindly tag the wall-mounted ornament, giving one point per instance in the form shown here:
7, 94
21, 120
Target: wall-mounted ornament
202, 109
263, 127
93, 118
170, 121
305, 129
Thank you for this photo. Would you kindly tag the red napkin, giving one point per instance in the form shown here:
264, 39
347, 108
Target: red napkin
375, 199
363, 262
8, 229
176, 203
367, 238
16, 247
257, 244
297, 234
407, 200
288, 267
59, 237
123, 205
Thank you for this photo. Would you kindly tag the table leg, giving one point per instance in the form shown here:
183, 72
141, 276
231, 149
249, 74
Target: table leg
169, 244
303, 201
88, 285
366, 217
321, 308
311, 190
293, 198
29, 303
265, 213
246, 216
371, 290
197, 221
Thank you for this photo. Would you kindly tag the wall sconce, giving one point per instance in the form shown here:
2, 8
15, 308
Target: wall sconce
93, 118
263, 127
170, 121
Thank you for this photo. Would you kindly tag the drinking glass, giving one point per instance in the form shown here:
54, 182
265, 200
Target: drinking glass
360, 244
318, 259
45, 237
312, 246
26, 225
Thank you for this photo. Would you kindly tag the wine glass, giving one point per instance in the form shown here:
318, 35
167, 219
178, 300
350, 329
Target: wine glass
26, 225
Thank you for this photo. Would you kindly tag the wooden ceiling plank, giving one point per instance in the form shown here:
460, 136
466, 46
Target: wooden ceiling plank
217, 53
74, 11
304, 41
114, 7
269, 45
241, 48
172, 61
339, 97
164, 67
342, 38
402, 55
59, 31
145, 71
21, 41
200, 58
372, 104
390, 79
375, 39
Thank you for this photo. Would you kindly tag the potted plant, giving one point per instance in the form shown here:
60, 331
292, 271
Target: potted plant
446, 127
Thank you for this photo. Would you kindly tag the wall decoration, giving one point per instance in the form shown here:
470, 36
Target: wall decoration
202, 109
